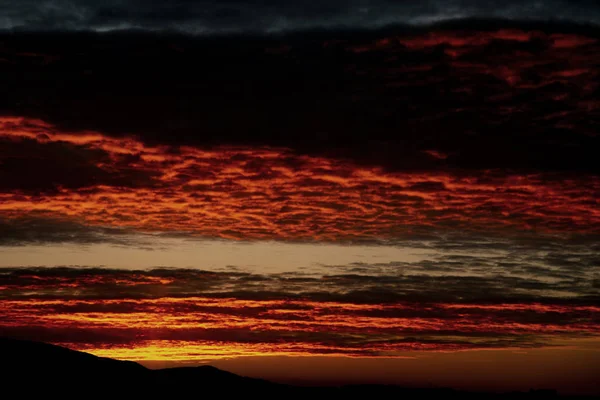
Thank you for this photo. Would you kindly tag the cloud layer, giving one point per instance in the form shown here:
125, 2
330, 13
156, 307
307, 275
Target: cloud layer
403, 100
264, 193
191, 314
209, 16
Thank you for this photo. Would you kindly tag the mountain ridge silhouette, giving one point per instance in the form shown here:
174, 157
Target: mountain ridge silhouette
29, 367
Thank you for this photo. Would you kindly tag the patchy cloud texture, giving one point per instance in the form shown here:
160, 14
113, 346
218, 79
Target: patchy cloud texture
264, 193
210, 16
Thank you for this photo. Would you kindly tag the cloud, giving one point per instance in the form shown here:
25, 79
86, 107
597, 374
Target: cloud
96, 309
41, 228
275, 193
482, 279
509, 295
359, 95
209, 16
33, 165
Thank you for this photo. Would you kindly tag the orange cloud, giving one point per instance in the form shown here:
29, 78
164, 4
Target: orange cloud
273, 193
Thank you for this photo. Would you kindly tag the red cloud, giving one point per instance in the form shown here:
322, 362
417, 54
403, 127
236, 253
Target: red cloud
270, 193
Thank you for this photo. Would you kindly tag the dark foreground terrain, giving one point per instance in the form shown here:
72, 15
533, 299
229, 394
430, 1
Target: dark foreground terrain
39, 368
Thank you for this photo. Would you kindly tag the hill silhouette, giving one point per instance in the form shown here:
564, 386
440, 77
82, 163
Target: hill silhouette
29, 368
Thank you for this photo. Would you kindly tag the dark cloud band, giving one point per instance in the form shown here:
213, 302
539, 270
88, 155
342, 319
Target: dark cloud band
464, 279
408, 102
210, 16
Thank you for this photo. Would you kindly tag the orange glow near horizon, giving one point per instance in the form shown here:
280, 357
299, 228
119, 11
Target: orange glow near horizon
193, 352
190, 352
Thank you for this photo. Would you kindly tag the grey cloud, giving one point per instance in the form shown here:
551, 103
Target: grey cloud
210, 16
429, 282
39, 229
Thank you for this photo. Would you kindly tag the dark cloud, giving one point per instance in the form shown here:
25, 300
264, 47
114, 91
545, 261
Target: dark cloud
482, 279
31, 166
211, 16
43, 229
388, 97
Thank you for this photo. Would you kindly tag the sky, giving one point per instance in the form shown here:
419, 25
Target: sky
306, 193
